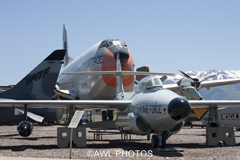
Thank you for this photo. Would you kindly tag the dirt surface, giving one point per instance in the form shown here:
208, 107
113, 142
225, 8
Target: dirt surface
42, 143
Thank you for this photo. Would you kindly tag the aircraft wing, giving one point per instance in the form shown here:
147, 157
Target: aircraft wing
195, 104
82, 104
204, 84
173, 87
208, 84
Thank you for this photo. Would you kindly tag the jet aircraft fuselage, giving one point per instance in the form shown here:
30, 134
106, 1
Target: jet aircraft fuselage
153, 109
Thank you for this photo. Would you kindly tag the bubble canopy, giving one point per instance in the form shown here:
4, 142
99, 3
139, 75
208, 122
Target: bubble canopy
150, 82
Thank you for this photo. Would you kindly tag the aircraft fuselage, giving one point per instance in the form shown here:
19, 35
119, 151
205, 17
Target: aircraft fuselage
100, 57
153, 109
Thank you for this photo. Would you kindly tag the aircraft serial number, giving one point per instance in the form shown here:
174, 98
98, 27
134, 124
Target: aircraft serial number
92, 62
150, 109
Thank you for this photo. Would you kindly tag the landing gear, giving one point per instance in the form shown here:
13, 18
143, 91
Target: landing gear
110, 115
104, 115
25, 128
158, 140
107, 115
154, 141
163, 142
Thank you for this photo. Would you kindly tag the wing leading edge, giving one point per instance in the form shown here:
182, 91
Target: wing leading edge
122, 105
195, 104
82, 104
205, 84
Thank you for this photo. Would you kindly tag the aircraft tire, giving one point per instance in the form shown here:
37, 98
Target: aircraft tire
25, 128
110, 115
163, 143
104, 115
154, 141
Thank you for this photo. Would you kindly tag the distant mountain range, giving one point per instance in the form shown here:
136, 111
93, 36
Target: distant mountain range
228, 92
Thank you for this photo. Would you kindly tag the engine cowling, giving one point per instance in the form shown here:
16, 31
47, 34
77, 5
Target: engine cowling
132, 124
25, 128
185, 82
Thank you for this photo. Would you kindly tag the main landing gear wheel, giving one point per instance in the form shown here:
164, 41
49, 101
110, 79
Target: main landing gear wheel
110, 115
25, 128
107, 115
163, 142
104, 115
154, 141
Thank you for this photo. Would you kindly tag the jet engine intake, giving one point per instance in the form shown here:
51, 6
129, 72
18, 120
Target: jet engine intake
175, 129
172, 131
132, 124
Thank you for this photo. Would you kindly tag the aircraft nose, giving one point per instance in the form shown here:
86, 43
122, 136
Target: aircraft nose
122, 50
179, 108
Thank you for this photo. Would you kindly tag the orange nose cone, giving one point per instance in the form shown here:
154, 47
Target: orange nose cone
109, 64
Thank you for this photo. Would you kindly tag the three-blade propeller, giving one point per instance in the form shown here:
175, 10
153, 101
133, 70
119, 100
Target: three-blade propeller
195, 81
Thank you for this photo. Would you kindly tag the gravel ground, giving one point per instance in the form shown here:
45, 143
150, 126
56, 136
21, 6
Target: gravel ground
187, 144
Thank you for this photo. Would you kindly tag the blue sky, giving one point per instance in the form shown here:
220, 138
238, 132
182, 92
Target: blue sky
162, 34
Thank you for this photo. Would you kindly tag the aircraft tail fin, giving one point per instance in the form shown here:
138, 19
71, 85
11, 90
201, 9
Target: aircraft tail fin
142, 69
191, 93
67, 59
40, 82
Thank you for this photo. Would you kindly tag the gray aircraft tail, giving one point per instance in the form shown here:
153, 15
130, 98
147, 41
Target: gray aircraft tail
40, 82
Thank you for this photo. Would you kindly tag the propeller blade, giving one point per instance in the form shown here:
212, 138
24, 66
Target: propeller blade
186, 75
208, 77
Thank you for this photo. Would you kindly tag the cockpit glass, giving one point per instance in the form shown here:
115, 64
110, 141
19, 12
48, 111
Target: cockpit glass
116, 43
109, 43
149, 83
156, 82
